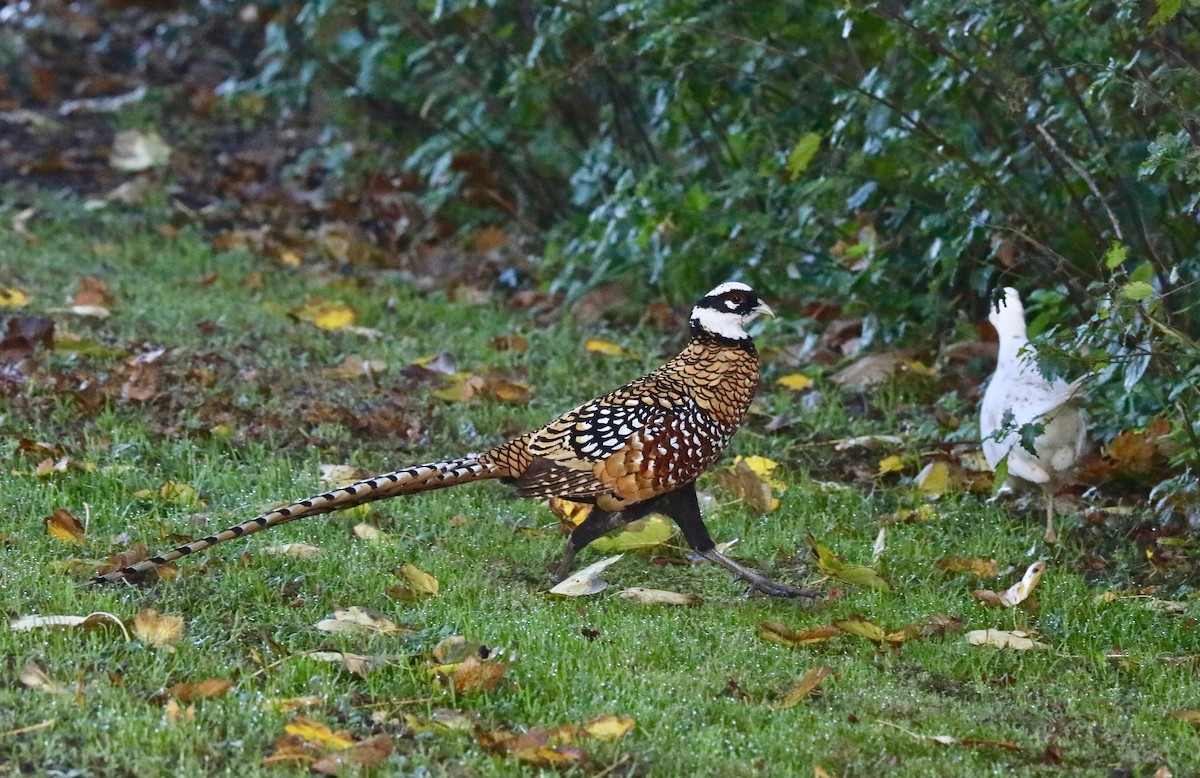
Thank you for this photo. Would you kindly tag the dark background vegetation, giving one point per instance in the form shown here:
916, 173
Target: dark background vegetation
887, 162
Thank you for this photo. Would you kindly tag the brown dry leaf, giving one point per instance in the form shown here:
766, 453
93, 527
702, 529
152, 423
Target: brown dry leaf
293, 703
354, 367
357, 619
855, 624
364, 755
515, 343
136, 382
476, 675
586, 581
744, 483
1133, 452
980, 568
1018, 640
92, 291
539, 746
774, 632
804, 687
609, 727
161, 631
605, 347
1190, 716
326, 314
511, 392
62, 525
1015, 594
92, 620
415, 583
138, 552
644, 596
23, 334
454, 649
289, 748
442, 720
302, 550
871, 370
35, 677
821, 772
203, 690
317, 733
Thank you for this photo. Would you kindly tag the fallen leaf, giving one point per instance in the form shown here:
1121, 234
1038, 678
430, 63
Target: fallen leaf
63, 526
1018, 640
832, 566
367, 532
206, 689
175, 713
355, 367
609, 727
365, 755
571, 514
456, 648
658, 596
891, 464
1190, 716
933, 480
35, 678
138, 552
538, 746
868, 441
871, 370
980, 568
476, 675
92, 291
797, 382
134, 151
326, 314
774, 632
179, 493
355, 663
357, 619
416, 583
293, 703
511, 392
13, 298
1018, 592
652, 531
463, 387
949, 740
859, 626
516, 343
338, 476
161, 631
98, 618
879, 546
744, 483
302, 550
317, 733
585, 581
804, 687
605, 347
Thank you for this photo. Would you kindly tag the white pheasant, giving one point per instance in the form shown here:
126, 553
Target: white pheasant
1019, 386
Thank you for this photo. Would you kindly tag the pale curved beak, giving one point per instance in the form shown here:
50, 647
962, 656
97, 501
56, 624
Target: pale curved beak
764, 309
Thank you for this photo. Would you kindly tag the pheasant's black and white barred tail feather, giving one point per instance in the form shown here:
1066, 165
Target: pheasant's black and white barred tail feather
410, 480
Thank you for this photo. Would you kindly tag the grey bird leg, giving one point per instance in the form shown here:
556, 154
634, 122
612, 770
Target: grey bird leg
596, 524
682, 506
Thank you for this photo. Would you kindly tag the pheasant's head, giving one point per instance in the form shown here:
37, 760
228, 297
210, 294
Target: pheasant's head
726, 310
1008, 315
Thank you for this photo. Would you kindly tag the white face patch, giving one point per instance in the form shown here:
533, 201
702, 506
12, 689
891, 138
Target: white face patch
726, 325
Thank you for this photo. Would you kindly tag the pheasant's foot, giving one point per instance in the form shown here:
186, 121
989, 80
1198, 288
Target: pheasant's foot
758, 582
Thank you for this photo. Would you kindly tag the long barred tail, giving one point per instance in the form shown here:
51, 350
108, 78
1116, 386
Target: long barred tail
410, 480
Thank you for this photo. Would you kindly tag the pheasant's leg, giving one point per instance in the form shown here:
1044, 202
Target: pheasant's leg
684, 508
1051, 535
596, 524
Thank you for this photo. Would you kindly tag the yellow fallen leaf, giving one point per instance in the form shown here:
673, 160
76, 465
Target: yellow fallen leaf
654, 530
797, 382
302, 550
585, 581
62, 525
891, 464
933, 480
341, 475
326, 314
367, 532
13, 298
317, 733
289, 258
609, 727
476, 675
203, 690
980, 568
416, 582
830, 564
570, 513
176, 713
606, 347
179, 493
804, 687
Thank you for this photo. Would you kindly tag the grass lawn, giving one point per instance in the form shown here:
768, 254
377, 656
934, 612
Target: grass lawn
245, 409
